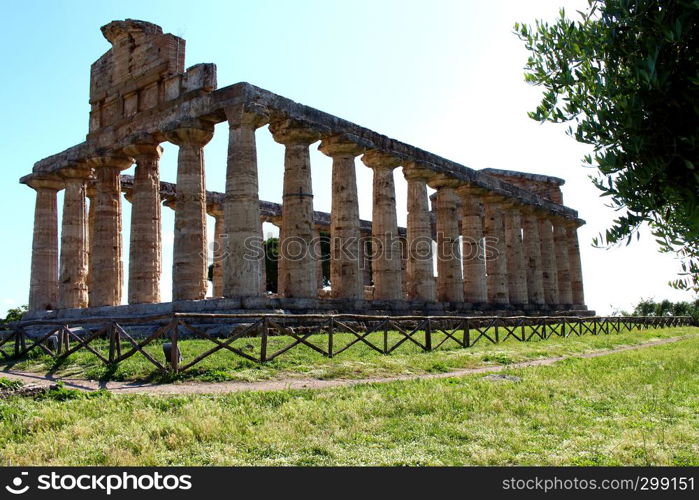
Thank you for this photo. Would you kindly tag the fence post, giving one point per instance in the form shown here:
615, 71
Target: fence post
331, 331
385, 337
174, 350
263, 339
112, 343
18, 335
428, 335
467, 334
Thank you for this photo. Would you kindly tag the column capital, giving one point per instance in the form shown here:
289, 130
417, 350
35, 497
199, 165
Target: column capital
144, 150
169, 203
414, 170
443, 181
191, 133
493, 199
214, 209
78, 171
573, 223
527, 209
340, 145
110, 160
50, 182
467, 190
275, 220
246, 115
379, 159
291, 131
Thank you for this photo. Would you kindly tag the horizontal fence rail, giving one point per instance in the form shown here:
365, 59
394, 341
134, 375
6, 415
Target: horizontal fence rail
320, 333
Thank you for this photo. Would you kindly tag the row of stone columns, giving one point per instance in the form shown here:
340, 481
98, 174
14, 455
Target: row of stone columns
500, 253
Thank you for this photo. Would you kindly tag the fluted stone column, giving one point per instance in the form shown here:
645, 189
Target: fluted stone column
366, 259
532, 256
90, 193
560, 239
219, 249
318, 255
106, 265
450, 285
496, 251
516, 268
190, 263
297, 265
244, 263
474, 268
386, 264
548, 260
72, 291
576, 278
145, 248
263, 267
43, 285
345, 250
420, 266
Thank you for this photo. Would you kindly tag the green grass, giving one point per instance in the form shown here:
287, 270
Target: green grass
360, 361
636, 407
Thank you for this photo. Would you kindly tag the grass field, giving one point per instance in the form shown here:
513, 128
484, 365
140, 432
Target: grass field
635, 407
360, 361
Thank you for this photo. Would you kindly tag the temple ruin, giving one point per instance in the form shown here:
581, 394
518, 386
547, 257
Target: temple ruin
503, 241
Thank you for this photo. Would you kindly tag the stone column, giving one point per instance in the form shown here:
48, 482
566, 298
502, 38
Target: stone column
90, 193
263, 266
475, 288
450, 284
516, 268
345, 251
366, 259
72, 291
420, 266
43, 286
244, 263
106, 266
560, 240
548, 261
297, 265
496, 251
318, 254
386, 264
277, 222
145, 248
576, 278
190, 263
216, 211
532, 256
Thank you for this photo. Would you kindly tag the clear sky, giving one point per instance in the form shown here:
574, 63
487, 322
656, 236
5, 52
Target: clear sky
442, 75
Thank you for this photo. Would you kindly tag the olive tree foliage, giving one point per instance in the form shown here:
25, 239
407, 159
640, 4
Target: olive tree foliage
625, 75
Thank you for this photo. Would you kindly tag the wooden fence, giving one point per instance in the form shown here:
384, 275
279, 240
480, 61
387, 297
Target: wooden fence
61, 339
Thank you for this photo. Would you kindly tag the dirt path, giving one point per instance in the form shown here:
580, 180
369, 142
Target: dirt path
293, 383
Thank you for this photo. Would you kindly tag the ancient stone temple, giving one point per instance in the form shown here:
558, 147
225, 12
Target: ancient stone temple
500, 241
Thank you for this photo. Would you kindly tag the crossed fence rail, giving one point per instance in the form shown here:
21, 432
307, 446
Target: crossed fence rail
59, 340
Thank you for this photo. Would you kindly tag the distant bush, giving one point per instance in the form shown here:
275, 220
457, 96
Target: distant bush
14, 314
648, 307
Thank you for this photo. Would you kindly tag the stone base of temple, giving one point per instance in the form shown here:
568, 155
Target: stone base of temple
275, 305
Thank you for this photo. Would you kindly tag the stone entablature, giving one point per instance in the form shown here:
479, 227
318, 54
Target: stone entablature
545, 186
503, 238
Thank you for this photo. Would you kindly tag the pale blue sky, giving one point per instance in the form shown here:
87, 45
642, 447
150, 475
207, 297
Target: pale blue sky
443, 75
